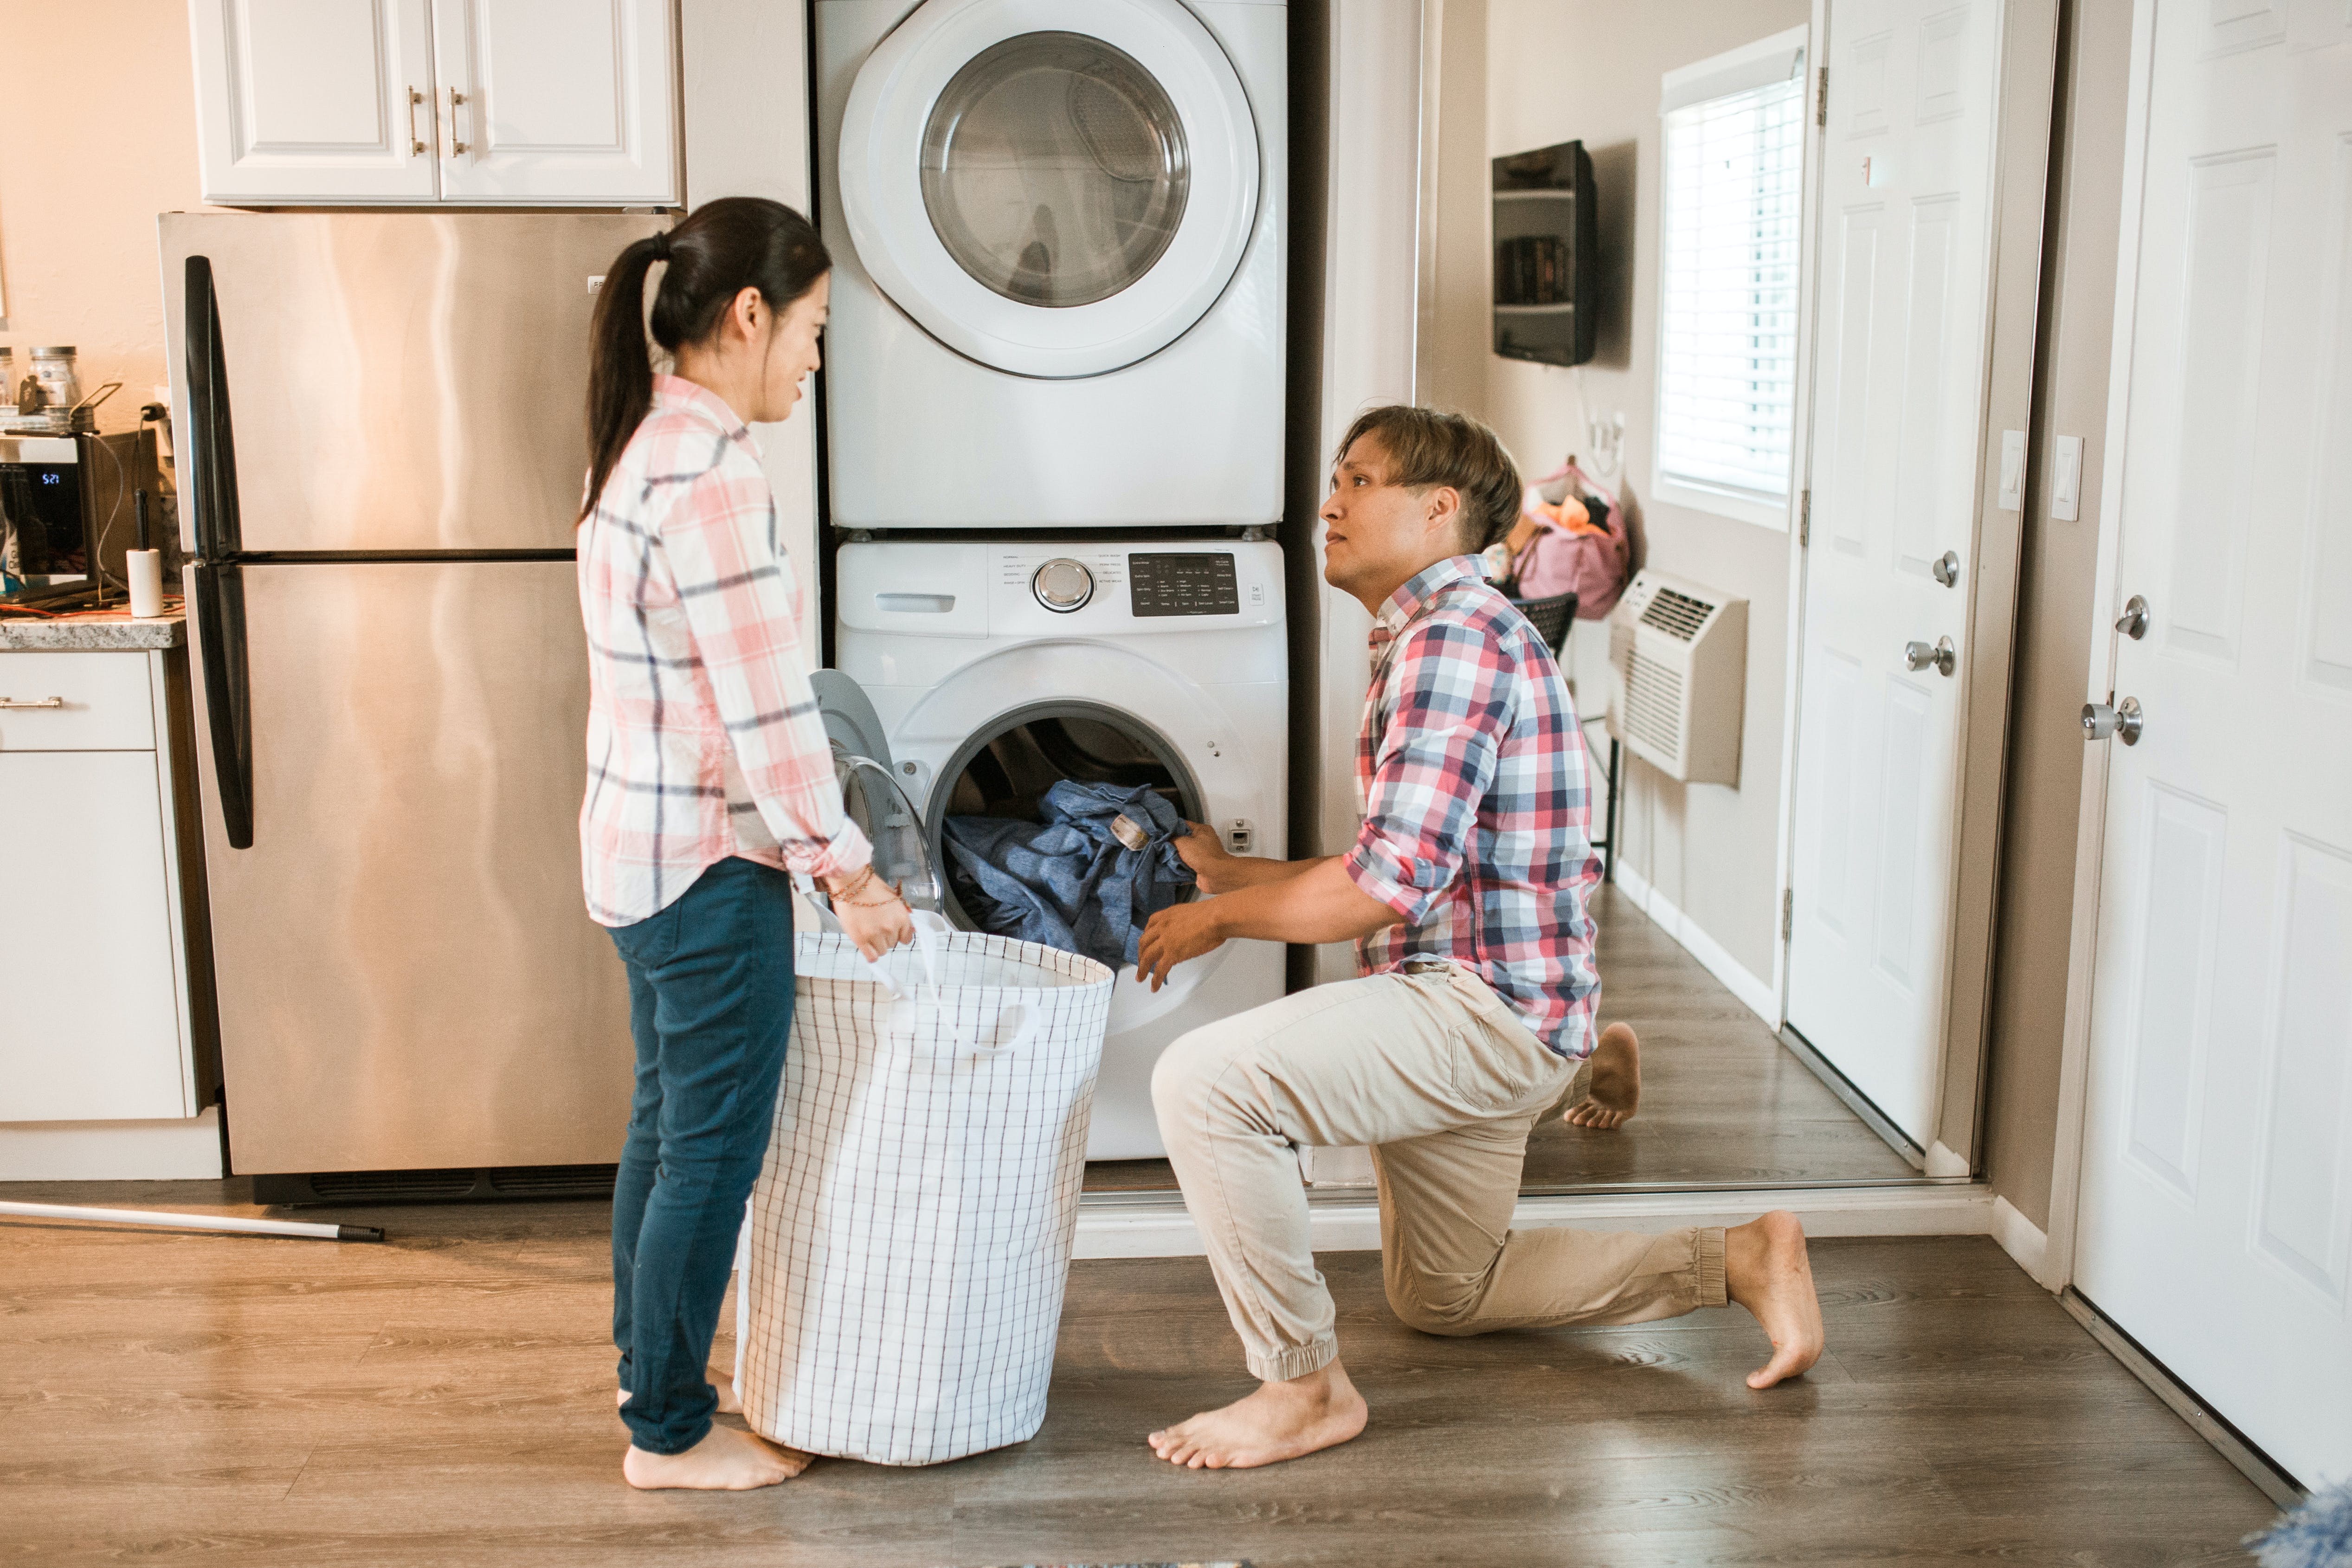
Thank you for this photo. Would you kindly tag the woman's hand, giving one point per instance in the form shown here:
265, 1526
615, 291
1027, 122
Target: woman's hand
871, 915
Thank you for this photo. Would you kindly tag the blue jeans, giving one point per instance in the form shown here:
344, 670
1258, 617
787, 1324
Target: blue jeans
710, 1004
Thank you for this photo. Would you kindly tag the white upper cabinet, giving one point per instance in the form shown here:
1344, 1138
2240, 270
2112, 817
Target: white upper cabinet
315, 100
482, 102
556, 101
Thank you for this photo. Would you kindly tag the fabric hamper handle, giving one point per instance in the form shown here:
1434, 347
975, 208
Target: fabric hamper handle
931, 931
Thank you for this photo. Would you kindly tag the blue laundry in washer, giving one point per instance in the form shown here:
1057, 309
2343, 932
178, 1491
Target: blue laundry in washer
1086, 878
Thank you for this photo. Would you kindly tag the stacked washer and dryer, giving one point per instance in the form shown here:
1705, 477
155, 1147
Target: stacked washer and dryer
1053, 398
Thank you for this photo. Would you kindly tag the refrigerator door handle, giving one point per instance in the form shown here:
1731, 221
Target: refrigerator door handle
220, 645
218, 581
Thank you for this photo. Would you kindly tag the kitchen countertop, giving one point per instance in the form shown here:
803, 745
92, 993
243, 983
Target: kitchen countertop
92, 631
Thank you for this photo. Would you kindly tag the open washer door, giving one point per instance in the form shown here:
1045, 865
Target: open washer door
1055, 188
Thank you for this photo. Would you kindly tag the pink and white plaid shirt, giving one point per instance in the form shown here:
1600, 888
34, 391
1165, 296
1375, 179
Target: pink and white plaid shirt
704, 739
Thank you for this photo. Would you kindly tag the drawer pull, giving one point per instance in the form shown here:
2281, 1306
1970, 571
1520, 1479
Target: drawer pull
39, 702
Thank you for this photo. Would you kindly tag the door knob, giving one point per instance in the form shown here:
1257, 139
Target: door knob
2134, 621
1946, 568
2124, 720
1939, 655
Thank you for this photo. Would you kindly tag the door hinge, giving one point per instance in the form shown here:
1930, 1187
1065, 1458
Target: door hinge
1787, 913
1804, 520
1822, 98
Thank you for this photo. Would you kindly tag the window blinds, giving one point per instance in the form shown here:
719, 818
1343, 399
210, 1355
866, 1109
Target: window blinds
1728, 316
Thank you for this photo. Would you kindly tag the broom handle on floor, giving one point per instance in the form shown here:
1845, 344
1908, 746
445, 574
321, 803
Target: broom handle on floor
196, 1222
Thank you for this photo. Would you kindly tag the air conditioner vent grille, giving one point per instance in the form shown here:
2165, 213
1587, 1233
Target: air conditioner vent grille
1677, 615
1654, 703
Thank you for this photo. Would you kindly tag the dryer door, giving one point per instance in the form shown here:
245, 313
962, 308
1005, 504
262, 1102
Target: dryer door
872, 789
1057, 188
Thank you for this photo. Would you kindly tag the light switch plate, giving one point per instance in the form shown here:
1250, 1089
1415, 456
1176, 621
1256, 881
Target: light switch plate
2012, 470
2066, 480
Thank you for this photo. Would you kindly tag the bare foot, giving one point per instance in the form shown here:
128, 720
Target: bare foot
725, 1460
728, 1402
1280, 1421
1766, 1272
1615, 1086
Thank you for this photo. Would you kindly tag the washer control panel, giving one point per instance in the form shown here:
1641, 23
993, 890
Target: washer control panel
1191, 583
1063, 584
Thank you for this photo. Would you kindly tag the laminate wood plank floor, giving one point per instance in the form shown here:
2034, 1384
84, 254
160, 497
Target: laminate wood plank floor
1723, 1101
446, 1399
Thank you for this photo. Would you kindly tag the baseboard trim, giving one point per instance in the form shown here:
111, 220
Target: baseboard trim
1155, 1225
1755, 994
2024, 1241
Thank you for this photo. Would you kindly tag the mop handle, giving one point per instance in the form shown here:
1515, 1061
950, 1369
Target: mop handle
197, 1222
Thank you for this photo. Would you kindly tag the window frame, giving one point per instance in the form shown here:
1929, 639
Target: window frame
1781, 56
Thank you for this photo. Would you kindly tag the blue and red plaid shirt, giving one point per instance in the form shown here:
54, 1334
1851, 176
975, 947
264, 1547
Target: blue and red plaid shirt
1471, 771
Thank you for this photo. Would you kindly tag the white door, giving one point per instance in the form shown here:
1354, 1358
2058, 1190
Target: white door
2216, 1213
314, 100
1055, 188
557, 101
1899, 362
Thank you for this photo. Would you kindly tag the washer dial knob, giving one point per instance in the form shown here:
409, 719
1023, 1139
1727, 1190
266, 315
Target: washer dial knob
1063, 585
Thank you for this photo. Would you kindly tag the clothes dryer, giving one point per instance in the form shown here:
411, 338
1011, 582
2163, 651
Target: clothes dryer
995, 669
1057, 228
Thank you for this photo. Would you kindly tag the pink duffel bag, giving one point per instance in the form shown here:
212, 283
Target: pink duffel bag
1572, 539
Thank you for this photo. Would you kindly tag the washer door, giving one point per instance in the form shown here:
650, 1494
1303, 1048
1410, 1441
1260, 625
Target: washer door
1057, 188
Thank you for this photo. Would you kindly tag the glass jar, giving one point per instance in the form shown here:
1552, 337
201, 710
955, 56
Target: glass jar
54, 369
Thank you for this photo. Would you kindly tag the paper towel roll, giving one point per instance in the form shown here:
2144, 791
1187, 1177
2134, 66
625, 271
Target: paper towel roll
146, 569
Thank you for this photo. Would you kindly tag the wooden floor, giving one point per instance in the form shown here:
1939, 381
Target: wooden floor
1723, 1101
447, 1399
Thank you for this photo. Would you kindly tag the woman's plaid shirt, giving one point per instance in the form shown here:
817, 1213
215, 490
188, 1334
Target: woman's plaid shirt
1471, 771
704, 739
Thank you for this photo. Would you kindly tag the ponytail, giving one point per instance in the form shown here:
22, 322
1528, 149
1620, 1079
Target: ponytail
722, 249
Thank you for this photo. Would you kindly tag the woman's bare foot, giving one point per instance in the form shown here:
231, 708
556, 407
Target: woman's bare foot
725, 1460
729, 1403
1766, 1271
1280, 1421
1616, 1088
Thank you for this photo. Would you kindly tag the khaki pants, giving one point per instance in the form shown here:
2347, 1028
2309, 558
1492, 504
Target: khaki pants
1433, 1071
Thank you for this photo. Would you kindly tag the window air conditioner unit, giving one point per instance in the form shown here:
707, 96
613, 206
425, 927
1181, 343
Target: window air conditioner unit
1678, 677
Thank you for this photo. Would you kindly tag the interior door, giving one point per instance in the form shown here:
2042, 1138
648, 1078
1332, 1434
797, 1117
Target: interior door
314, 100
1900, 358
556, 101
1057, 188
2215, 1224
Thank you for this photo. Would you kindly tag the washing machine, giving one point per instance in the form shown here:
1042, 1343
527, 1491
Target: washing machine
978, 673
1057, 228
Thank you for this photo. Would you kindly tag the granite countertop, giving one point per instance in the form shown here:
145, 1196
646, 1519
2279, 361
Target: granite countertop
93, 631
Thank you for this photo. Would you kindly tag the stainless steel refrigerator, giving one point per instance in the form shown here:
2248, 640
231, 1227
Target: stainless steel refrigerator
381, 455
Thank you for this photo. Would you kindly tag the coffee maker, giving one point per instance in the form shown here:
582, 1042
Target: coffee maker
66, 511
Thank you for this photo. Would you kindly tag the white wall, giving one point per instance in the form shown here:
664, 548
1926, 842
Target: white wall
1589, 70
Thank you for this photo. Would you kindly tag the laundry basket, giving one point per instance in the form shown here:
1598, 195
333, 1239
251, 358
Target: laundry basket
911, 1235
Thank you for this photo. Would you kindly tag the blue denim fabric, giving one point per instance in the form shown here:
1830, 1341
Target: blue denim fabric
1066, 882
710, 1004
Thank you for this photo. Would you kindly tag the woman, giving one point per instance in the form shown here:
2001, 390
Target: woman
709, 776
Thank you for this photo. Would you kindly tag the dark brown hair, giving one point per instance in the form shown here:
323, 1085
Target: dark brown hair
1425, 447
722, 249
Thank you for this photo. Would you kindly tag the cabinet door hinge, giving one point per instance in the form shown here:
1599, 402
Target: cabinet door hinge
1822, 98
1787, 913
1804, 520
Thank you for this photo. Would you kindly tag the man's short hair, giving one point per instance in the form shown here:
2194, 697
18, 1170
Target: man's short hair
1426, 446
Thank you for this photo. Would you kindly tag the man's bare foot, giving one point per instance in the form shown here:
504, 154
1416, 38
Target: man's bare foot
1615, 1085
725, 1460
1766, 1271
1280, 1421
729, 1404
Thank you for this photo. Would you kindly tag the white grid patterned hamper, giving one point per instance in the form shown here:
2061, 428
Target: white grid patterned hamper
910, 1236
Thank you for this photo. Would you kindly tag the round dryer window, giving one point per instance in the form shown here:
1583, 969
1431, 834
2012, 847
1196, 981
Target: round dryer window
1057, 188
1053, 169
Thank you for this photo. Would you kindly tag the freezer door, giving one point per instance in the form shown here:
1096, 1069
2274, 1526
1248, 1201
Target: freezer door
407, 977
396, 381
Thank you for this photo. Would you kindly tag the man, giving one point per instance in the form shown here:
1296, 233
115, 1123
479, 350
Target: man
1465, 891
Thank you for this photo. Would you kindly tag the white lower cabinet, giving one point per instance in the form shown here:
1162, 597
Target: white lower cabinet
95, 997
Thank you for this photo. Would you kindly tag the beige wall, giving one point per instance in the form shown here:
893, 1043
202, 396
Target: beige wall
1589, 70
2053, 635
102, 137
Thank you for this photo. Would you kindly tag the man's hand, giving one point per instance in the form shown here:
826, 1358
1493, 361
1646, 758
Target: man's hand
1204, 856
1176, 933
